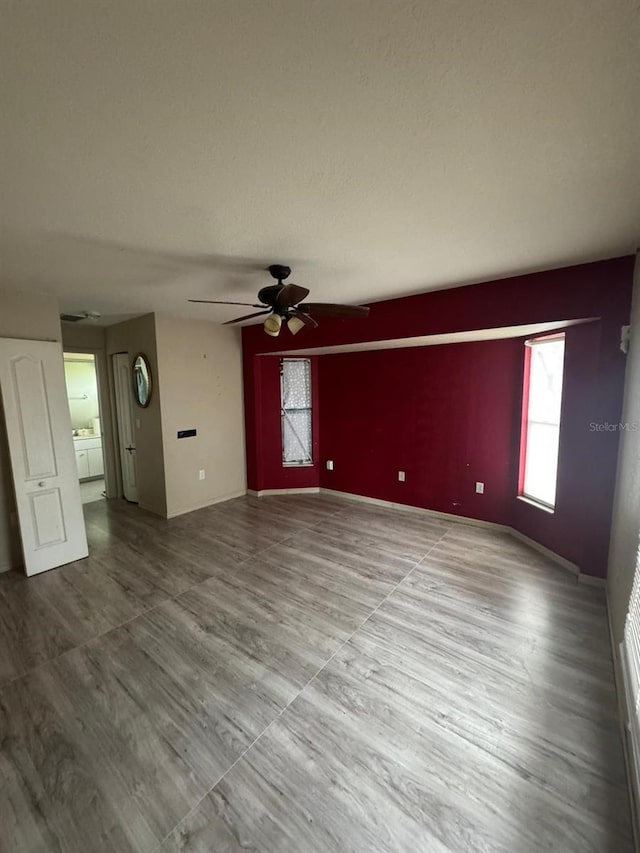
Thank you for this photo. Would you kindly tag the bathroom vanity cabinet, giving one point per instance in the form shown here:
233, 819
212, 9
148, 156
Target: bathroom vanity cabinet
89, 456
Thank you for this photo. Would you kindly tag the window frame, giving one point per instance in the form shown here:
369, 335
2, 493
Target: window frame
307, 463
529, 344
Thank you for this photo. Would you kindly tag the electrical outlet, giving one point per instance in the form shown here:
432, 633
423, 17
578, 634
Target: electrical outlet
480, 488
329, 464
201, 474
137, 423
401, 476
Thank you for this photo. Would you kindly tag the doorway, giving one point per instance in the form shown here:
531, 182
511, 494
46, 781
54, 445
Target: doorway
84, 408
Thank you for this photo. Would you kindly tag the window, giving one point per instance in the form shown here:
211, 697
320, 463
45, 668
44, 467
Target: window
544, 361
295, 409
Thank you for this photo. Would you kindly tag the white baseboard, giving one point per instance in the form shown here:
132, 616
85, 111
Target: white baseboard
561, 561
419, 510
210, 502
263, 493
588, 580
592, 580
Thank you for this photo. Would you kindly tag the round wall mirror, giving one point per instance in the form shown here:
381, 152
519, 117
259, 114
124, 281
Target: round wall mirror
142, 380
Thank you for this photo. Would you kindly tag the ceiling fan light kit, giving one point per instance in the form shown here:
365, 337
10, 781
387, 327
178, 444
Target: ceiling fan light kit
272, 325
294, 324
283, 302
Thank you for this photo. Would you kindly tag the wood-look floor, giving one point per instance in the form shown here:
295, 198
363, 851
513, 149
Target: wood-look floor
304, 674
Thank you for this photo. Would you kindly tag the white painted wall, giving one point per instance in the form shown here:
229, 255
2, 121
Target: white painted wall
625, 528
200, 379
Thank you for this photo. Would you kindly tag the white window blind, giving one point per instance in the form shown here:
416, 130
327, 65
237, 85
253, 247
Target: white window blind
631, 658
295, 409
542, 427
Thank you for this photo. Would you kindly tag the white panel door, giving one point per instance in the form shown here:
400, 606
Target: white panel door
42, 454
126, 436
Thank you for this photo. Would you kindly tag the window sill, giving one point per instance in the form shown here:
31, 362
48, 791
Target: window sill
538, 504
297, 464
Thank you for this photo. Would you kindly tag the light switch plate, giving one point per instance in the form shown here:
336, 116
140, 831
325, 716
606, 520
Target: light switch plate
401, 476
329, 464
480, 488
201, 474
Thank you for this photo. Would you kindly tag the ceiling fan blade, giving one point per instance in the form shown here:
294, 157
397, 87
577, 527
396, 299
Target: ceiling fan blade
306, 319
246, 317
215, 302
291, 294
331, 309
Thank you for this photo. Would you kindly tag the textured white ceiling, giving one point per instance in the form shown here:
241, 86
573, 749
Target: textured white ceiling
160, 150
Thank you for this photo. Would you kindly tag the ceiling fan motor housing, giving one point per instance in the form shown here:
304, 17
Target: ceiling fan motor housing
268, 295
279, 271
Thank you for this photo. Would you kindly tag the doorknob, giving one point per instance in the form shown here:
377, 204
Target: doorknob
41, 484
130, 448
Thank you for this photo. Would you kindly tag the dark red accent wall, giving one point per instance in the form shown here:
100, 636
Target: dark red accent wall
450, 415
592, 394
263, 427
588, 290
442, 414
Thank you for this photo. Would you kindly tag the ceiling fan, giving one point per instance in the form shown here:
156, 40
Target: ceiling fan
283, 303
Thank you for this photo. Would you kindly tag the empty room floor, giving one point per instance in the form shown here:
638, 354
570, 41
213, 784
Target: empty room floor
303, 674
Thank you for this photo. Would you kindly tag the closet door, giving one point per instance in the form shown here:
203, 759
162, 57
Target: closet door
42, 454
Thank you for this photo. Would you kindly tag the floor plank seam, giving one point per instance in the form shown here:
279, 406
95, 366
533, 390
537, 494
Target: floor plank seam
386, 681
301, 691
32, 670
